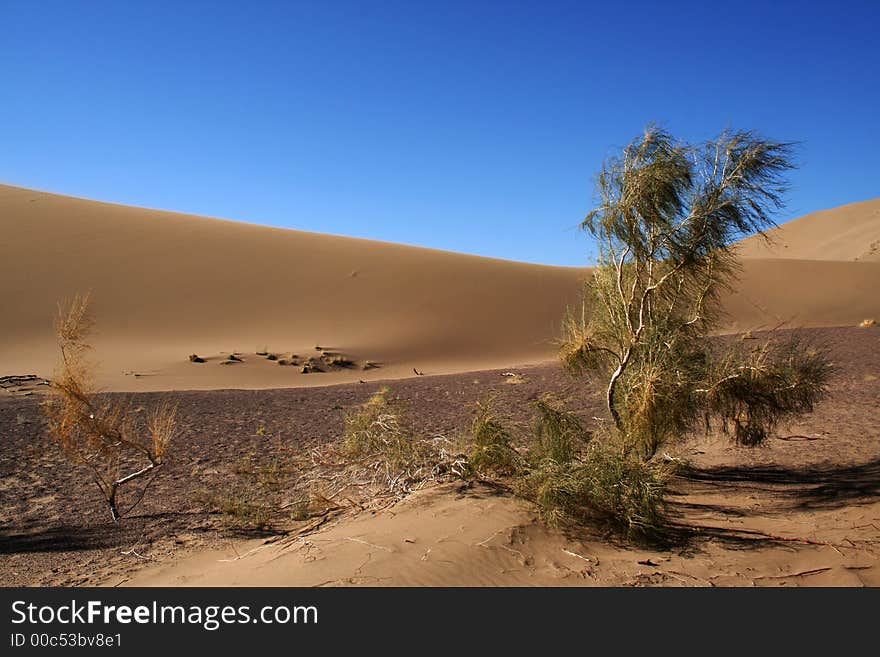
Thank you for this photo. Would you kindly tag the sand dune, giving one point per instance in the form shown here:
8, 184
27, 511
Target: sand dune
166, 285
850, 233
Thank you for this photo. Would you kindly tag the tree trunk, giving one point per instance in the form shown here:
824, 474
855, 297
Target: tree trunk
610, 398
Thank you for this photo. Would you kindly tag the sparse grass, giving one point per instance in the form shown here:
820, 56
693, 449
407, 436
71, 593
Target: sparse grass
238, 510
301, 508
378, 427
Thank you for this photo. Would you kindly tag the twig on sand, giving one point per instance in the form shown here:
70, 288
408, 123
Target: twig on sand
246, 554
135, 553
802, 573
575, 554
373, 545
483, 543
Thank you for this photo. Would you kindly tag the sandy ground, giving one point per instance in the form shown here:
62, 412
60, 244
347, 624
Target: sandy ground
442, 329
804, 510
167, 285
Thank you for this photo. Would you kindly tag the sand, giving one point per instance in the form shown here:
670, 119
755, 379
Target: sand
168, 285
804, 510
849, 233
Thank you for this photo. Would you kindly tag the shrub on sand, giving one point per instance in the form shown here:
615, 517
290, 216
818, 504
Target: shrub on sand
491, 451
606, 483
573, 476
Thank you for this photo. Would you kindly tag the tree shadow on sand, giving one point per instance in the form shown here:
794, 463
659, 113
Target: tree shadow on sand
60, 538
812, 488
789, 489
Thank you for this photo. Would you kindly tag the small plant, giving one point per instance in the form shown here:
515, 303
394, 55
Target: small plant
752, 391
312, 365
605, 483
492, 451
377, 427
96, 433
195, 358
238, 510
559, 433
866, 323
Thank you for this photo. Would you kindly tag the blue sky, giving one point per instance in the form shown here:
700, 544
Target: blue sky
467, 126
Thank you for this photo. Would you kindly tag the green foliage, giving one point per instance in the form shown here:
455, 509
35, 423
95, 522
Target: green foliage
492, 451
668, 216
571, 477
237, 508
559, 433
608, 485
754, 390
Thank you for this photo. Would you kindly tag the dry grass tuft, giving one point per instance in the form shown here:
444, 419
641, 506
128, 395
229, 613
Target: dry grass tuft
492, 451
865, 323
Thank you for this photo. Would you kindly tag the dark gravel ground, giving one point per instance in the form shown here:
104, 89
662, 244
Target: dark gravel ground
54, 529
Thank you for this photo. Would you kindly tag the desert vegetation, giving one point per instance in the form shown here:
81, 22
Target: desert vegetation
669, 214
112, 443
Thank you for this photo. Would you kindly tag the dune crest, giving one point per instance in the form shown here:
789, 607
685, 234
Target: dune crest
848, 233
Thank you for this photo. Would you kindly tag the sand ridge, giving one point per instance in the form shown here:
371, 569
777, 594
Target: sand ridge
166, 285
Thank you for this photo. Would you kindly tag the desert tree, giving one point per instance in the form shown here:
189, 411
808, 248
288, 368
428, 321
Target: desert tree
668, 216
102, 435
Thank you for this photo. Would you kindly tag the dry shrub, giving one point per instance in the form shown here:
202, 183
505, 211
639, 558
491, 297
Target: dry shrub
379, 428
866, 323
381, 457
339, 360
101, 435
